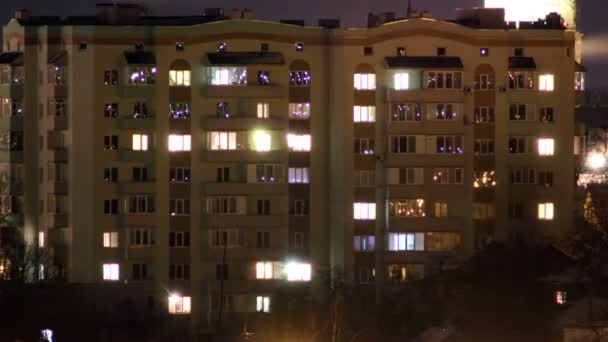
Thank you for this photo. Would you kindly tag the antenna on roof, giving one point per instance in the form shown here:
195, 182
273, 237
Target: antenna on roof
409, 8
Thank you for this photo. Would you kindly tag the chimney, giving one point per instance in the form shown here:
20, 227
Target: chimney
236, 14
118, 14
22, 14
248, 14
213, 12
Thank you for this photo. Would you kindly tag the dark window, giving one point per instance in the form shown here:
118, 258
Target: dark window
484, 52
179, 46
110, 142
110, 110
221, 271
299, 47
441, 51
264, 78
140, 271
264, 47
140, 174
263, 207
368, 51
223, 174
139, 46
110, 174
263, 240
110, 207
518, 52
223, 110
401, 51
82, 46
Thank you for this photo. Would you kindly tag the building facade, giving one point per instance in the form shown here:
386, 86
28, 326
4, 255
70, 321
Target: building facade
218, 154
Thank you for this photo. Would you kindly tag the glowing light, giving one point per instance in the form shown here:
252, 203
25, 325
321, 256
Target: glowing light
297, 271
526, 10
179, 304
261, 141
596, 160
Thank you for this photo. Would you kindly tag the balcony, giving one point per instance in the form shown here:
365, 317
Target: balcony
57, 237
57, 122
14, 91
139, 220
57, 90
137, 187
136, 124
211, 189
11, 156
251, 220
244, 91
14, 123
425, 95
58, 188
11, 188
57, 220
146, 91
242, 123
245, 156
127, 155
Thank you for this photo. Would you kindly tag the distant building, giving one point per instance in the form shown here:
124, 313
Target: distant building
217, 154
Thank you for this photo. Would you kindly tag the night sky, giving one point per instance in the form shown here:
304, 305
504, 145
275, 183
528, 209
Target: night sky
352, 13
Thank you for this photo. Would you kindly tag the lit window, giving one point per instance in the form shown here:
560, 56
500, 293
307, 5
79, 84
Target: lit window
545, 211
110, 240
298, 271
546, 82
561, 297
298, 142
364, 113
299, 110
442, 80
140, 142
179, 78
222, 140
406, 242
263, 110
365, 81
261, 141
299, 78
262, 304
546, 147
110, 272
483, 211
441, 209
364, 243
407, 208
180, 143
298, 175
364, 211
179, 305
263, 270
228, 75
41, 240
402, 81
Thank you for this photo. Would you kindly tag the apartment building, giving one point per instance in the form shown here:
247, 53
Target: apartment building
218, 154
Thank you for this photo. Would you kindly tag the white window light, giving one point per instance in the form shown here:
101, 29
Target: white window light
364, 113
263, 270
297, 271
140, 142
110, 239
546, 82
402, 81
365, 81
111, 272
546, 147
179, 78
180, 143
298, 175
298, 142
263, 110
262, 141
545, 211
262, 304
364, 211
406, 242
179, 305
41, 240
223, 140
